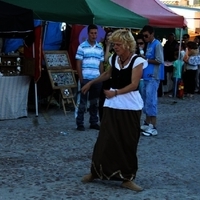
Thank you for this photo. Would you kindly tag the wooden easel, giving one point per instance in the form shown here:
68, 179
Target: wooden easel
61, 76
67, 97
64, 98
51, 97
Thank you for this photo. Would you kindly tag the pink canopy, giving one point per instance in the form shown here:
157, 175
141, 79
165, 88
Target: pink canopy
159, 14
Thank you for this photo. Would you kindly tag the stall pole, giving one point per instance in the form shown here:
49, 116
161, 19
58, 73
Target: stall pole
36, 97
44, 23
179, 57
36, 101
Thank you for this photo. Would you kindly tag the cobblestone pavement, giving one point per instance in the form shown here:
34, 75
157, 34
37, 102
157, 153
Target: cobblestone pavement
38, 162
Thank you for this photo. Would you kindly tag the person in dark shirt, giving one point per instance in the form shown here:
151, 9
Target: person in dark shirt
170, 47
186, 38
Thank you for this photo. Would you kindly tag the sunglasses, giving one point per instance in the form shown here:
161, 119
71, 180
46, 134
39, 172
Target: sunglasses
140, 43
145, 36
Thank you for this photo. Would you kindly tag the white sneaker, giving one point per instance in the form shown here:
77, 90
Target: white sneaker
150, 132
146, 127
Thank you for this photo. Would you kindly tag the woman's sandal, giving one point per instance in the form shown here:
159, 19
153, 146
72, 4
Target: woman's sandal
87, 178
132, 186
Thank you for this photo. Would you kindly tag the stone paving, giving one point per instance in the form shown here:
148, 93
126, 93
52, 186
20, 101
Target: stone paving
38, 162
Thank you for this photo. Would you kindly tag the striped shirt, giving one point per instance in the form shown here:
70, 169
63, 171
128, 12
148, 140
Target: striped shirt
91, 57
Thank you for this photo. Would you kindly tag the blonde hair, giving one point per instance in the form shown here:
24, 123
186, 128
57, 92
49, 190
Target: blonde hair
124, 36
193, 52
192, 48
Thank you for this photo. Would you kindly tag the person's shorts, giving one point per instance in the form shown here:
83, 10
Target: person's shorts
150, 96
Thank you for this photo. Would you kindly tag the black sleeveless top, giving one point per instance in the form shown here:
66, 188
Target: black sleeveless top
121, 78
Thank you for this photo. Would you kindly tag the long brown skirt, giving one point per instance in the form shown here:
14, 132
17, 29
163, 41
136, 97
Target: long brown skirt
115, 152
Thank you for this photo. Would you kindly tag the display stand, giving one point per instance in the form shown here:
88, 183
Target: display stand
67, 97
61, 76
57, 60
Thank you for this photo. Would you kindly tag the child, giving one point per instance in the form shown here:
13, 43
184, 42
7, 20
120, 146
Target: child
177, 72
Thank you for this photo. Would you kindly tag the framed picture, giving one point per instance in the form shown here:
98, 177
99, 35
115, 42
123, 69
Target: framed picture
62, 79
57, 60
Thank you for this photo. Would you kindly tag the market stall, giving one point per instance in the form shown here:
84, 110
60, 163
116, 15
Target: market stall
14, 96
162, 18
85, 12
15, 22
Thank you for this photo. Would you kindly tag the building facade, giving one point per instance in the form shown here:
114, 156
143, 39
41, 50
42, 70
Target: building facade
182, 2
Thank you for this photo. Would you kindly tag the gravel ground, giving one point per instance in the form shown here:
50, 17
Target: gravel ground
38, 162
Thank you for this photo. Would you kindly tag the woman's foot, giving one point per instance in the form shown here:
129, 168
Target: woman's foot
87, 178
132, 186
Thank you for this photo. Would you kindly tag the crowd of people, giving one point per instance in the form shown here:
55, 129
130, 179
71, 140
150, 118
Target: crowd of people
123, 74
183, 71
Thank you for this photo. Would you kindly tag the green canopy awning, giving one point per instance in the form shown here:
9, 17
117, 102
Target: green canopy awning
100, 12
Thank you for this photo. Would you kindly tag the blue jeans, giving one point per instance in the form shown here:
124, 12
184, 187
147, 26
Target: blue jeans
93, 96
150, 97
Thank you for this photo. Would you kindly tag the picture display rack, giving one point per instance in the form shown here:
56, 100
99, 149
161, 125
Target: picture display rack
61, 75
57, 60
62, 78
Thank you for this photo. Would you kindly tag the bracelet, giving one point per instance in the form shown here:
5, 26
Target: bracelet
115, 93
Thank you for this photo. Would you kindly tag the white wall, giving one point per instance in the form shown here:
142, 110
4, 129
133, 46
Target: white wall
192, 16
